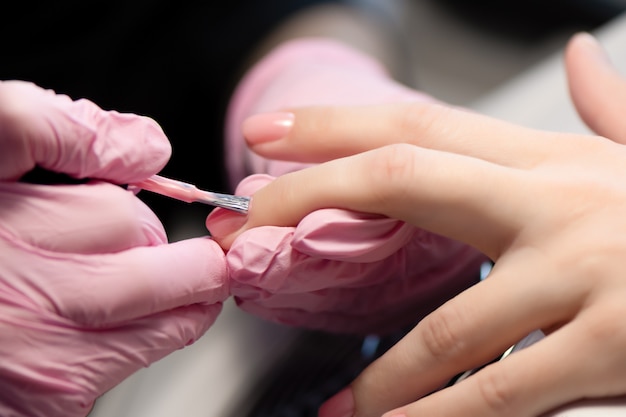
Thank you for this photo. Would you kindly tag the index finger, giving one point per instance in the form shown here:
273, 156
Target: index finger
318, 134
102, 290
448, 194
78, 138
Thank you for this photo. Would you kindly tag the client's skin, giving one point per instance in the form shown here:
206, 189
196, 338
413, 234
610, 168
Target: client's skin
547, 207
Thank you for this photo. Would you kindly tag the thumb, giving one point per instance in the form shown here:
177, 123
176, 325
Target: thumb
78, 138
108, 289
596, 87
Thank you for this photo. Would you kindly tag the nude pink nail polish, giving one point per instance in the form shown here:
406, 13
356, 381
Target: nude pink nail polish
222, 223
340, 405
267, 127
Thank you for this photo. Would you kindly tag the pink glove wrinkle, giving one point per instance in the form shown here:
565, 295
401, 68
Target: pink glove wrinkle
75, 137
336, 270
380, 275
90, 291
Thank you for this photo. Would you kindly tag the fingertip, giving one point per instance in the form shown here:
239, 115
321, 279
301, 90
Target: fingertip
584, 58
596, 86
202, 263
224, 226
201, 317
158, 141
586, 43
152, 229
142, 148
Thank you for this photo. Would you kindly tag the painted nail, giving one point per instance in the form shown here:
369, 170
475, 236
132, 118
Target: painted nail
222, 222
267, 127
340, 405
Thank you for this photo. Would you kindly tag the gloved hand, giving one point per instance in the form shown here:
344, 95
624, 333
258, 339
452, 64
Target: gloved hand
90, 291
336, 270
342, 271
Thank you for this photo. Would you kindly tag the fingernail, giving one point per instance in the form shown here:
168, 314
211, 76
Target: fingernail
222, 222
339, 405
267, 127
593, 47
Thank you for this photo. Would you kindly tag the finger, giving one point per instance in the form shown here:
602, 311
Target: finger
78, 372
87, 219
597, 89
120, 351
38, 127
459, 197
324, 133
101, 290
368, 238
376, 299
535, 380
463, 334
149, 339
222, 223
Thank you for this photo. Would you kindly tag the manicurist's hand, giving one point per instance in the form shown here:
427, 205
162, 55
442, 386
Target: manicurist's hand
90, 290
547, 207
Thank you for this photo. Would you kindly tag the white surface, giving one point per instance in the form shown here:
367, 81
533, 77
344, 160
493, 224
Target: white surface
539, 97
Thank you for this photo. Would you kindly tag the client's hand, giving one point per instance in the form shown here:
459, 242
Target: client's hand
548, 208
90, 291
337, 270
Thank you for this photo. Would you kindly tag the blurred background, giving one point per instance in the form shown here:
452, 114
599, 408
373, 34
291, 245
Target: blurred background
462, 50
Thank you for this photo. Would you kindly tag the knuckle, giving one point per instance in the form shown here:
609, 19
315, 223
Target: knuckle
393, 172
495, 391
440, 334
603, 330
418, 121
600, 332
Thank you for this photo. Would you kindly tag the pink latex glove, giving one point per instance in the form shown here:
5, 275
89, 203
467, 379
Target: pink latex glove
90, 291
337, 270
343, 271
